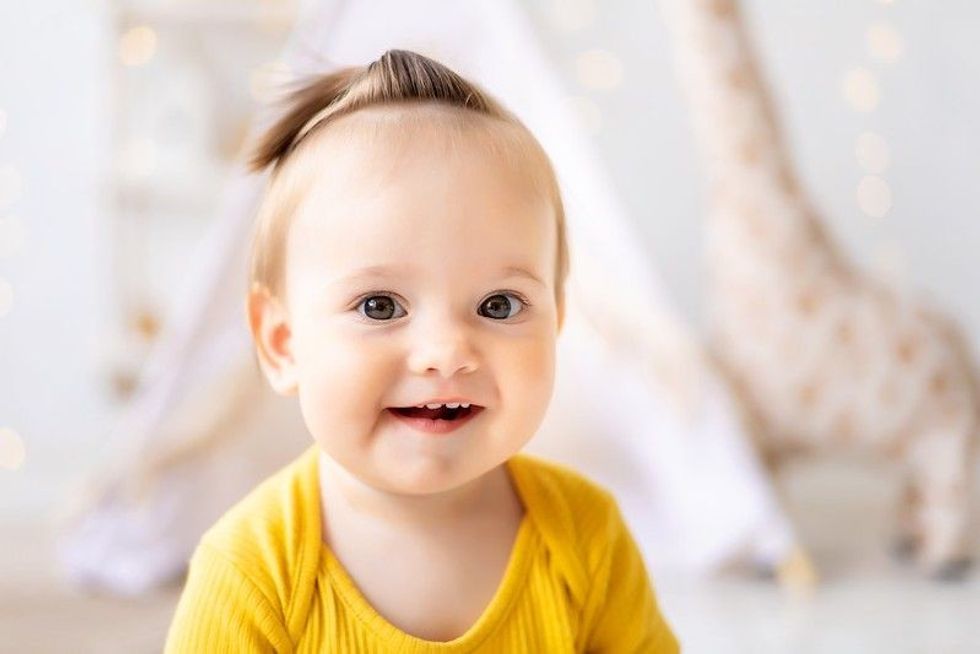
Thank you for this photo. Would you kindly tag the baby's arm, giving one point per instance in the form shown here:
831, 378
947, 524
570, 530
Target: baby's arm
622, 613
222, 610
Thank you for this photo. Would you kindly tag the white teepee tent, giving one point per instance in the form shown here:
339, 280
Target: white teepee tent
205, 428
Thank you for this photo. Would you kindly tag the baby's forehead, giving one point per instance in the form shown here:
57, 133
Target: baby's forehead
377, 139
413, 175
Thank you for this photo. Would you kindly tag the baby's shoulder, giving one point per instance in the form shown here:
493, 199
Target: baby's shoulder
557, 483
266, 535
575, 513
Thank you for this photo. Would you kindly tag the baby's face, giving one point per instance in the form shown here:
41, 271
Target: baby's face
417, 273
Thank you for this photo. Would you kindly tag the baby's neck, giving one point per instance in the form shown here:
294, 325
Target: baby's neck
343, 497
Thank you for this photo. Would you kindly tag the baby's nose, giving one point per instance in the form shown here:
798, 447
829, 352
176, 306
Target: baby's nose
447, 351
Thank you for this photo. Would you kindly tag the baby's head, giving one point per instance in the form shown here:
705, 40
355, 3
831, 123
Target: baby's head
410, 248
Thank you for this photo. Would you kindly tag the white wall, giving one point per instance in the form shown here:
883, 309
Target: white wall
53, 81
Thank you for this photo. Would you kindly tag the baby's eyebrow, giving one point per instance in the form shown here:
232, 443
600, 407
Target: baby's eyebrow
371, 272
518, 271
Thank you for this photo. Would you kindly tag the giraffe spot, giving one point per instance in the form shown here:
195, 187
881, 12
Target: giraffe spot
751, 152
808, 301
787, 183
907, 349
845, 333
739, 78
808, 394
896, 449
843, 427
939, 383
722, 8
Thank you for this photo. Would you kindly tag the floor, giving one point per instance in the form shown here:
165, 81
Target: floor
866, 601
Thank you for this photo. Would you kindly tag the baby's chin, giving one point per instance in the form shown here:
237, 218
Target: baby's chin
424, 477
420, 475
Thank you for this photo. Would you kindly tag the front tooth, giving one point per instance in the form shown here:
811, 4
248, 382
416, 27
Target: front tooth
432, 406
452, 405
465, 405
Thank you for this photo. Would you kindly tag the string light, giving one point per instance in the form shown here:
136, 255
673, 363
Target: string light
137, 45
12, 453
874, 196
884, 42
861, 89
599, 69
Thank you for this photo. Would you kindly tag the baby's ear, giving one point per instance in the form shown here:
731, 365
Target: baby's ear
272, 334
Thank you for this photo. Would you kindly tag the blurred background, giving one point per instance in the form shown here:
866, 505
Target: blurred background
119, 124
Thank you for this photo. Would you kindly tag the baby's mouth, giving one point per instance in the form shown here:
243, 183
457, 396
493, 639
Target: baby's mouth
442, 413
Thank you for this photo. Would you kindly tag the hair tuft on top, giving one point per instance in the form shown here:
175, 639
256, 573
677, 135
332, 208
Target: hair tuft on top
302, 105
397, 76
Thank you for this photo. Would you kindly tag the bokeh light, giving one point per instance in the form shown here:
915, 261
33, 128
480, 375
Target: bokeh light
884, 42
860, 89
137, 45
599, 69
874, 196
12, 452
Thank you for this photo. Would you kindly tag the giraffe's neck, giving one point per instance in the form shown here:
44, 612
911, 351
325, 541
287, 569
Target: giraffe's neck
751, 174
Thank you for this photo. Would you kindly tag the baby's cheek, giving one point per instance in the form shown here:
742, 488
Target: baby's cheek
356, 373
531, 371
346, 385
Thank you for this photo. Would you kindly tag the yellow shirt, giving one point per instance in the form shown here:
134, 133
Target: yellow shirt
262, 580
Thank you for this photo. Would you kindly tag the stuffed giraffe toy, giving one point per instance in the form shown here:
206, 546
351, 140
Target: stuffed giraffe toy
822, 356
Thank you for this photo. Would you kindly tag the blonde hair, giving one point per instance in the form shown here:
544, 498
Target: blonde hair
399, 78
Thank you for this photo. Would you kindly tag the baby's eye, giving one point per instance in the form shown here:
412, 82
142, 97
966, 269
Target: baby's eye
499, 306
379, 307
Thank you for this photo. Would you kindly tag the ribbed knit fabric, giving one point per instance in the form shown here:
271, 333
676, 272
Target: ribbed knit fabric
262, 580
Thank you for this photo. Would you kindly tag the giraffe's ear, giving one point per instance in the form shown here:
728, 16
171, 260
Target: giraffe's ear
272, 334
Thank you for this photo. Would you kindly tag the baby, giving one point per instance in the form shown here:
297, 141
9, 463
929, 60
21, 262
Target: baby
407, 287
